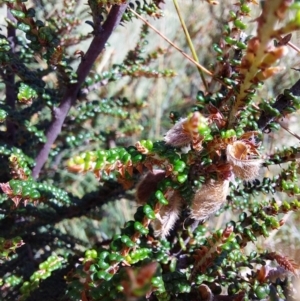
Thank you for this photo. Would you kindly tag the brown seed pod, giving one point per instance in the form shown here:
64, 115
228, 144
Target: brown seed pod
148, 185
176, 136
167, 215
243, 167
209, 198
186, 131
205, 293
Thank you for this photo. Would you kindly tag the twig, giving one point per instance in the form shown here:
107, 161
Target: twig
70, 95
293, 46
172, 44
288, 130
190, 43
10, 82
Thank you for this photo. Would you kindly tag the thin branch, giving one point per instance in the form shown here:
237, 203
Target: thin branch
190, 43
288, 130
172, 44
10, 81
70, 96
293, 46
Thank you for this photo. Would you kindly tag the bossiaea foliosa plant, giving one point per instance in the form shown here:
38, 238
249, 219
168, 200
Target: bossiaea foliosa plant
187, 177
210, 160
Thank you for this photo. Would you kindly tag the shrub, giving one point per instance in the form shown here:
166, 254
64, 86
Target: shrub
74, 143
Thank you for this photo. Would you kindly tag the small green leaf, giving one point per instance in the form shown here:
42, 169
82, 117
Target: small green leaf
17, 13
182, 178
149, 212
239, 24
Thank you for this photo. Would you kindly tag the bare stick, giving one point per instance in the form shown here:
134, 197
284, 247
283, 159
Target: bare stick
172, 44
190, 43
288, 130
70, 96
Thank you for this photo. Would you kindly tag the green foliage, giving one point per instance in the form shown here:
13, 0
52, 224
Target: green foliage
75, 147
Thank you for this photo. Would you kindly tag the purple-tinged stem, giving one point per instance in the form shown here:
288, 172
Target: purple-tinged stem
70, 96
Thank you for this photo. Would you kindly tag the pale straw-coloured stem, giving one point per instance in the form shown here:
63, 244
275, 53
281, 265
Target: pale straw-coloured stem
172, 44
190, 43
288, 130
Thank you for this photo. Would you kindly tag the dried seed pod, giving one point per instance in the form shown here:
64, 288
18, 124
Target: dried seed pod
176, 136
148, 185
243, 167
167, 215
205, 293
209, 198
187, 131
